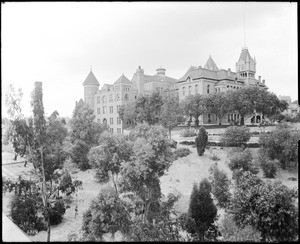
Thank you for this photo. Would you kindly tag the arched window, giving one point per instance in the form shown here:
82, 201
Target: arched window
227, 87
183, 91
118, 97
104, 121
208, 86
196, 89
190, 90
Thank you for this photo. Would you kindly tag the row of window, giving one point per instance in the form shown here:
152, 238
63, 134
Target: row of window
119, 131
233, 117
233, 87
110, 98
196, 90
104, 110
111, 121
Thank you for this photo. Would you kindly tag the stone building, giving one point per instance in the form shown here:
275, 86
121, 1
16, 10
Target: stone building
210, 79
107, 101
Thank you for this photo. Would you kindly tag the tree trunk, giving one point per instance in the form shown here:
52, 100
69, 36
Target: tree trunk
242, 120
170, 132
196, 122
48, 226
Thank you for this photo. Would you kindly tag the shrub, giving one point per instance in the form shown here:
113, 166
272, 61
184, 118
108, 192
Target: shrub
188, 132
188, 143
79, 153
181, 152
201, 141
57, 212
241, 161
281, 144
268, 166
220, 186
236, 136
24, 213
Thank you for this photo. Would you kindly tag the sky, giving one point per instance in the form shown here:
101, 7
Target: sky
58, 43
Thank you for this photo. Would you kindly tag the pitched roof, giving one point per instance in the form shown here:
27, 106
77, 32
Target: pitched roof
123, 80
91, 80
211, 65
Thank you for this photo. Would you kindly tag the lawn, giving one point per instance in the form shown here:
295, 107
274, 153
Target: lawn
180, 177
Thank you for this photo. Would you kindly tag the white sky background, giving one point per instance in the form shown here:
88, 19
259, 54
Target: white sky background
56, 43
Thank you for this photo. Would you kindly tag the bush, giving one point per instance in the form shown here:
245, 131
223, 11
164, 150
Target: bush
24, 213
220, 186
201, 141
241, 161
57, 212
236, 136
181, 152
281, 144
268, 166
188, 132
79, 153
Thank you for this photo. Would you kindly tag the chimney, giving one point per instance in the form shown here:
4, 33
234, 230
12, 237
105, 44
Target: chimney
263, 81
228, 72
259, 78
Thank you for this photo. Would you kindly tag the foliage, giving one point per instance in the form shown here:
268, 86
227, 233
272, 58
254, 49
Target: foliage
233, 233
85, 134
281, 144
202, 212
188, 132
181, 152
268, 166
241, 161
106, 214
235, 136
267, 207
171, 112
194, 106
201, 141
220, 186
107, 158
57, 212
216, 103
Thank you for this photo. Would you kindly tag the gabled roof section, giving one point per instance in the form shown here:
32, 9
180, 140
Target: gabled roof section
211, 65
123, 80
91, 80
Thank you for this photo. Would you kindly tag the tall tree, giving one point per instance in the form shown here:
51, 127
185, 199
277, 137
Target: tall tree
85, 133
171, 112
216, 103
194, 106
202, 210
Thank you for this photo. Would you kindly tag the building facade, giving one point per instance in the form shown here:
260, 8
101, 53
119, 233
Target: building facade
210, 79
107, 101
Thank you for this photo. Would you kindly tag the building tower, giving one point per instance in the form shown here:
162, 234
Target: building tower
91, 86
140, 80
246, 66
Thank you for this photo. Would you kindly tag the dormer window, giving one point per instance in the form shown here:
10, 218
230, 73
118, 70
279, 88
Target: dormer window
188, 79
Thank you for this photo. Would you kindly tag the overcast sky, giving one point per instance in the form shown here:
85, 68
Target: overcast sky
56, 43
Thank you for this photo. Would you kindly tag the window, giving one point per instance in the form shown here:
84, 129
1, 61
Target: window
183, 91
118, 121
190, 90
119, 130
98, 100
196, 89
111, 109
118, 97
110, 97
104, 121
104, 110
126, 97
111, 121
111, 130
118, 108
98, 110
104, 99
208, 89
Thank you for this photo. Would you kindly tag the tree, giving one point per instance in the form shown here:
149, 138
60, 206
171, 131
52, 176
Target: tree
201, 141
202, 212
108, 157
171, 113
235, 136
220, 186
267, 207
266, 164
84, 135
194, 106
216, 103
